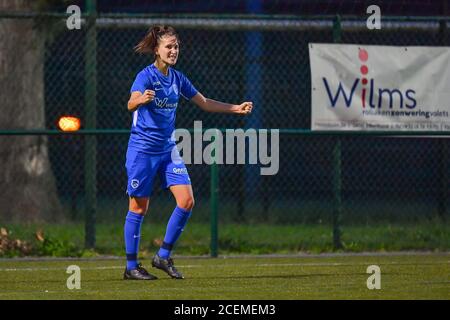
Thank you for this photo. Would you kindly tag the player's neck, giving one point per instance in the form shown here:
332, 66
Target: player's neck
162, 67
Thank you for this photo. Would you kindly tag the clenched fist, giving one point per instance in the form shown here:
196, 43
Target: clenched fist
245, 108
148, 96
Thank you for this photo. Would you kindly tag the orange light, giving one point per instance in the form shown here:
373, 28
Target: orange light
67, 123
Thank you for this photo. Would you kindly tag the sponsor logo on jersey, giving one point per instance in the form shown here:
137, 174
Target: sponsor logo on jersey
180, 170
135, 183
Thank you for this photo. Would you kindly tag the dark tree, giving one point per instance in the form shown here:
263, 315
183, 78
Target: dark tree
27, 184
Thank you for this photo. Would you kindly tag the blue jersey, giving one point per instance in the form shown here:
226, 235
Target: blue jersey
154, 122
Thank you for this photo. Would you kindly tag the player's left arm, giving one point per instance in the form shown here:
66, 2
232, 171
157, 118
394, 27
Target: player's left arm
210, 105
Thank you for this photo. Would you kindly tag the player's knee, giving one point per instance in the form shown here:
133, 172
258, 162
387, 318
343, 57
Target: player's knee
139, 207
186, 203
139, 210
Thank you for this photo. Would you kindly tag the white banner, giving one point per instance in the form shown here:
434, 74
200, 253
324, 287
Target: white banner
362, 87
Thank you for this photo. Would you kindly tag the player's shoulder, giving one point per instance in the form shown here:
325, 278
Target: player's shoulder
178, 74
145, 76
146, 71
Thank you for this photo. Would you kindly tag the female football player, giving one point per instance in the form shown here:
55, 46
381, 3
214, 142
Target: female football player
154, 99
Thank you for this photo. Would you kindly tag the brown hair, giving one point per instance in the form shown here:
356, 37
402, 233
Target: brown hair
149, 43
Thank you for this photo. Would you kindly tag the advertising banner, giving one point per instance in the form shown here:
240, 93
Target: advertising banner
387, 88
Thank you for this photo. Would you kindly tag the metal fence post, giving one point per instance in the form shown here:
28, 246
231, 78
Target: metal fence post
337, 189
90, 161
337, 154
443, 157
214, 203
254, 51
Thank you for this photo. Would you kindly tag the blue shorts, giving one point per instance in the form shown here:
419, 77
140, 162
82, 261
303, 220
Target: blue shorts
142, 168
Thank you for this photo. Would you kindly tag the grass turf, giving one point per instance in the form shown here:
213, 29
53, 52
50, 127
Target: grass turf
254, 239
403, 276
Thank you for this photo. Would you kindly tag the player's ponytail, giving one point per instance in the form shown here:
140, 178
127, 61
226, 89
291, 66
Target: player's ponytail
149, 43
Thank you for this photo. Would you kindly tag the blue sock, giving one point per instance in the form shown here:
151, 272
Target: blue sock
132, 233
175, 227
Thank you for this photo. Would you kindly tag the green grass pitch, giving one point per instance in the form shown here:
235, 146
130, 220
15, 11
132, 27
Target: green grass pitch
336, 276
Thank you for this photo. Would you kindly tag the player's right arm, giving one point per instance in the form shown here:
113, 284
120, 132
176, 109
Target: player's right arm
137, 99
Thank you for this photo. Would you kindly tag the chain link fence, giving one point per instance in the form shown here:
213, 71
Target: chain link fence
325, 181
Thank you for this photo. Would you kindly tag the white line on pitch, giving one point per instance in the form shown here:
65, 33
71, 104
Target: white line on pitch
318, 264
